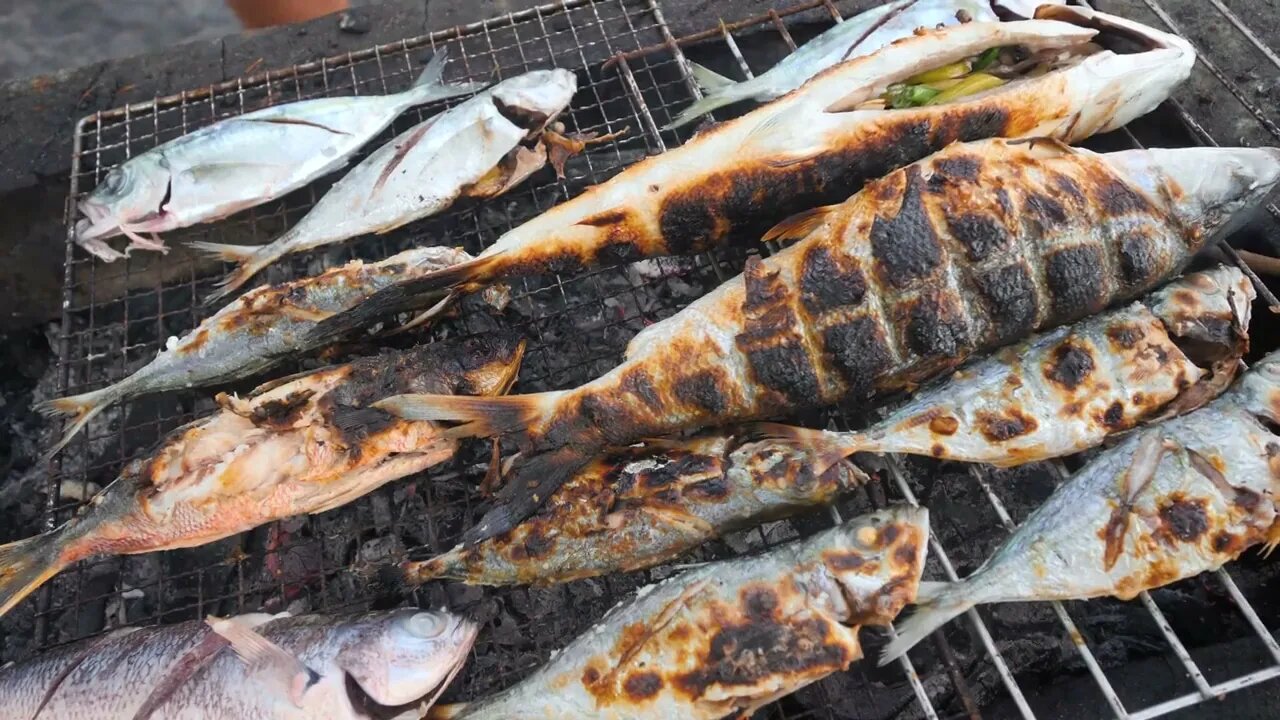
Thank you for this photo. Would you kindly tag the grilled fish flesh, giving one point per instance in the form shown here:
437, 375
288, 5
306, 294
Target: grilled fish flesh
475, 149
857, 36
817, 145
1169, 502
303, 445
637, 507
241, 162
306, 667
733, 636
259, 330
1066, 390
969, 250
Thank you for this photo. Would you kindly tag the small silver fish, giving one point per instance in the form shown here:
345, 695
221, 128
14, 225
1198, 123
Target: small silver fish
860, 35
258, 330
729, 637
472, 150
241, 162
1169, 502
260, 666
1067, 390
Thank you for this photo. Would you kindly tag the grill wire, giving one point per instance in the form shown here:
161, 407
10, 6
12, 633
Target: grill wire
632, 74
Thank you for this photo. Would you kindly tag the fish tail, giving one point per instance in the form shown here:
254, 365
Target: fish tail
936, 604
430, 85
81, 408
720, 91
537, 479
416, 572
827, 448
446, 712
250, 259
480, 416
26, 564
465, 276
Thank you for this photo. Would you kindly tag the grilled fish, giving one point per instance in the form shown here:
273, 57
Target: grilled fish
1169, 502
241, 162
298, 668
732, 636
257, 331
303, 445
816, 146
1066, 390
857, 36
473, 150
969, 250
637, 507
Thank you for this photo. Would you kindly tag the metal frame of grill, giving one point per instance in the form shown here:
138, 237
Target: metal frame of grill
636, 75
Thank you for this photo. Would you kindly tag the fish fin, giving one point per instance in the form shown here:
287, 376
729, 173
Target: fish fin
482, 416
493, 474
720, 91
413, 573
26, 564
536, 480
709, 79
1047, 146
446, 712
1273, 539
178, 674
775, 139
799, 225
82, 408
401, 151
942, 604
423, 317
251, 259
430, 84
829, 448
98, 247
1139, 474
259, 652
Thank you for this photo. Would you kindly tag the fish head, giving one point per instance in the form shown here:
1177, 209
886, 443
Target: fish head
407, 655
129, 195
1209, 190
1207, 313
877, 560
535, 98
1258, 390
482, 365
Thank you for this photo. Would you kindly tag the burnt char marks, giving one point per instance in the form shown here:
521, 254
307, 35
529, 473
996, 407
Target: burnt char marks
1012, 304
1069, 365
1076, 282
772, 337
1115, 198
958, 167
640, 686
1002, 427
787, 369
935, 326
1140, 261
906, 247
979, 234
703, 391
860, 352
1045, 212
638, 384
1184, 519
829, 281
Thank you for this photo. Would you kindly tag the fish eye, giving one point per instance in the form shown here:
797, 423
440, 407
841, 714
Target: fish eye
426, 625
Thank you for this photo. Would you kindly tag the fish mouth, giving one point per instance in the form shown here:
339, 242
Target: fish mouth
366, 706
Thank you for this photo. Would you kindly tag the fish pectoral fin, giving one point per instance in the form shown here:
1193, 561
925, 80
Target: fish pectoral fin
799, 225
691, 524
1137, 477
665, 616
263, 655
774, 140
1045, 146
305, 315
512, 170
232, 171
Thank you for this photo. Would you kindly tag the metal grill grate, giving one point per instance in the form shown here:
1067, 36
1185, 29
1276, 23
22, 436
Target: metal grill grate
117, 316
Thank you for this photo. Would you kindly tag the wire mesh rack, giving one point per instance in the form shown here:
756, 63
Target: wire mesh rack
632, 74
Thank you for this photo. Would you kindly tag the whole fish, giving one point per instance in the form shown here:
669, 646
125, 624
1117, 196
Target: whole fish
730, 637
1067, 390
241, 162
637, 507
304, 445
968, 250
257, 331
857, 36
1169, 502
818, 145
472, 150
309, 667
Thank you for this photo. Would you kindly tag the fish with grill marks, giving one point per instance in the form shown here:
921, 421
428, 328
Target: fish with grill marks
259, 330
1066, 390
1170, 501
301, 445
972, 249
729, 637
820, 143
637, 507
260, 666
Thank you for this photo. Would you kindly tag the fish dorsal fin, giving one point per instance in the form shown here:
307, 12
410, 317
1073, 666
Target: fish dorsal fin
1045, 147
266, 657
799, 225
776, 140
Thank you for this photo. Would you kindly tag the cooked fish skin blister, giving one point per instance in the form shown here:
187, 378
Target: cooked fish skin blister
242, 161
190, 670
303, 445
732, 636
1067, 390
1168, 502
638, 507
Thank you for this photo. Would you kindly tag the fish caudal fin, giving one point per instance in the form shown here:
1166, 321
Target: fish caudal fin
720, 91
251, 259
936, 604
26, 564
446, 712
480, 416
537, 478
81, 408
827, 448
430, 85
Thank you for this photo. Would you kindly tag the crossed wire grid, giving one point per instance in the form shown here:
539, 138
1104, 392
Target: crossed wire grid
117, 316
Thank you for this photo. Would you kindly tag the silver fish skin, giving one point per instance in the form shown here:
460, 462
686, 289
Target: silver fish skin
860, 35
188, 671
1066, 390
255, 332
729, 637
241, 162
1169, 502
423, 171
